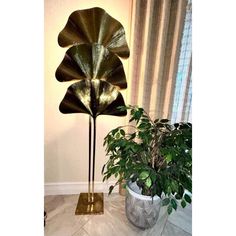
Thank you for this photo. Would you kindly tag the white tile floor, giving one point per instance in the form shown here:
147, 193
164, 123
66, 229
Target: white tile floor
61, 220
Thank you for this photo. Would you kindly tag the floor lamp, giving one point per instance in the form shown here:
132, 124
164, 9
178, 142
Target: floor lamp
96, 41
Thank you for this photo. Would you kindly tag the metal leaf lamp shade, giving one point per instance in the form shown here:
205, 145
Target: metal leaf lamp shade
94, 97
96, 41
94, 26
91, 61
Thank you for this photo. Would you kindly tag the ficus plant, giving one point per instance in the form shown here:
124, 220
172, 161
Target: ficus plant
155, 154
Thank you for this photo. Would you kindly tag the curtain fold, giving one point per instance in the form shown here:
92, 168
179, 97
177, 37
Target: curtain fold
155, 43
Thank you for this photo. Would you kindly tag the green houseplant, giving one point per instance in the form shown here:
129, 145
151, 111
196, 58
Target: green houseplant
154, 154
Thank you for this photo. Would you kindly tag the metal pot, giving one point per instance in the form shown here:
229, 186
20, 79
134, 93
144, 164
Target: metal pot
142, 211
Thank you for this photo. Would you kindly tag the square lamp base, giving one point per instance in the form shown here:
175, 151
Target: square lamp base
84, 207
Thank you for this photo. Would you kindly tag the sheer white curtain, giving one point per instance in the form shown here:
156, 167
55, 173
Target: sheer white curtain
156, 33
181, 110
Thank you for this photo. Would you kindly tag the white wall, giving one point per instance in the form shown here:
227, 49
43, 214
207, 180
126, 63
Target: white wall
66, 136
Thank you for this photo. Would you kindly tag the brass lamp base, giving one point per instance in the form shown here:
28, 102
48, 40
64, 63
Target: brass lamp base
84, 207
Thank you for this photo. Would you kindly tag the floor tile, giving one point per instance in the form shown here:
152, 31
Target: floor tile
61, 219
172, 230
81, 232
182, 218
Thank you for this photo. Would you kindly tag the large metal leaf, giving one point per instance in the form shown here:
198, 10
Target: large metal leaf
94, 25
94, 97
91, 62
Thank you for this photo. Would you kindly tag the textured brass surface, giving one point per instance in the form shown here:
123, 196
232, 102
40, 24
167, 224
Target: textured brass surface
91, 62
86, 207
94, 97
94, 25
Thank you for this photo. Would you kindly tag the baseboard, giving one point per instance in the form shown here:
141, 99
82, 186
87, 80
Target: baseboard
65, 188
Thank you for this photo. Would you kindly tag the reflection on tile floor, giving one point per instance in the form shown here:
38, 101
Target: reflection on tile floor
61, 220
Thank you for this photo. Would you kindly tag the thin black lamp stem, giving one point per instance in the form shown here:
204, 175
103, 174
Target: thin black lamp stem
94, 148
89, 172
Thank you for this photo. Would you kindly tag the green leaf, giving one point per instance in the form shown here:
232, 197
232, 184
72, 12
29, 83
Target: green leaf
186, 181
183, 126
144, 175
187, 198
168, 157
117, 135
168, 190
174, 186
181, 191
153, 176
159, 125
131, 119
164, 120
145, 120
165, 201
110, 189
148, 182
114, 131
122, 132
158, 190
173, 203
104, 142
134, 148
103, 168
169, 209
142, 126
141, 110
176, 125
132, 136
183, 203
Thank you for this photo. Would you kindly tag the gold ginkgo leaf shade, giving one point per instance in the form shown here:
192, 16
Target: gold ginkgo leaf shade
94, 97
94, 61
94, 25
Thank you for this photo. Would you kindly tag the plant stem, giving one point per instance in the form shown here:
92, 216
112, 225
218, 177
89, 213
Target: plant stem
149, 118
155, 151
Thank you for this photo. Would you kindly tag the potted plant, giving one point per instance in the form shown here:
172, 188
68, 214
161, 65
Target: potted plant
155, 159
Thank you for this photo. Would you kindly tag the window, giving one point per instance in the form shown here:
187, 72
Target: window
182, 105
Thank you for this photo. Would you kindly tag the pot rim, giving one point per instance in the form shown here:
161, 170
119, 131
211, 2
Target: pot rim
140, 196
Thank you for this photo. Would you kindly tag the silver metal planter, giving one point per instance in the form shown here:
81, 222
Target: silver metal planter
142, 211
